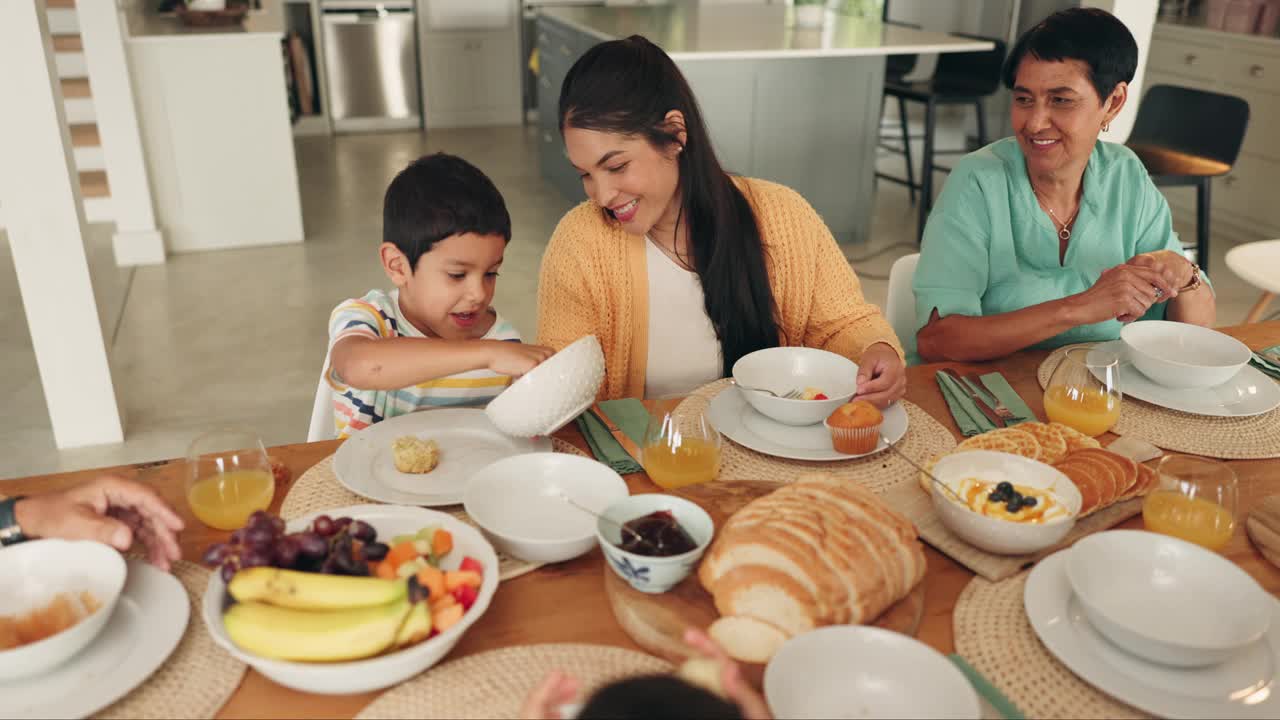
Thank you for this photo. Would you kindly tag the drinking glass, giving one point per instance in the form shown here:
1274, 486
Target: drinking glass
1084, 391
680, 450
228, 478
1196, 501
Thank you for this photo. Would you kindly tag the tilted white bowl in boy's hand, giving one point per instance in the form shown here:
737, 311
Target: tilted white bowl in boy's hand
552, 394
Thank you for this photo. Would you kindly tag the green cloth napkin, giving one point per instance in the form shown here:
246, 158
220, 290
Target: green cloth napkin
969, 418
988, 692
1265, 365
629, 415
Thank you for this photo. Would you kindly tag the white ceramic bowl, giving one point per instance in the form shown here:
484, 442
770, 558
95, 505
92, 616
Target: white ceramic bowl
357, 676
645, 573
992, 534
857, 671
516, 502
782, 369
1179, 355
557, 391
1167, 600
37, 571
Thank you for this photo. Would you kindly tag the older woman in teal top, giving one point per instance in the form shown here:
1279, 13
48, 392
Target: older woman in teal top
1051, 237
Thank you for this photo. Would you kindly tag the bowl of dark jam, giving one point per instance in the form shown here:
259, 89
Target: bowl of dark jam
654, 541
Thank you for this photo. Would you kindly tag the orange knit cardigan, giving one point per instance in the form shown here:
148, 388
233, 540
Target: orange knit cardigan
594, 281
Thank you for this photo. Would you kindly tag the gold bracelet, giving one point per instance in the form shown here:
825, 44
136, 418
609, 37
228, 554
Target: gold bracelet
1195, 280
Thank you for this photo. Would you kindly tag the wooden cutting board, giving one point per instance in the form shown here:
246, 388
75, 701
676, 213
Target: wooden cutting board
657, 622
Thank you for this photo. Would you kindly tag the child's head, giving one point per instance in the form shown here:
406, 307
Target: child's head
656, 697
444, 230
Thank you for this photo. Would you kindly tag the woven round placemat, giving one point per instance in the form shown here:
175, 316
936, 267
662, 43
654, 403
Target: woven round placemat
1230, 438
318, 489
494, 684
197, 679
925, 439
993, 634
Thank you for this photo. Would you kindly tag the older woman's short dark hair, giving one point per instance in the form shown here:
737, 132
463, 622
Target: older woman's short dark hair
1095, 37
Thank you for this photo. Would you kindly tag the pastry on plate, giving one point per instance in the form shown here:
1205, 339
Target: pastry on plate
855, 427
415, 455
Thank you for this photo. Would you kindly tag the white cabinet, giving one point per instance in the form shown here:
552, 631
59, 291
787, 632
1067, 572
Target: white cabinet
471, 65
1247, 66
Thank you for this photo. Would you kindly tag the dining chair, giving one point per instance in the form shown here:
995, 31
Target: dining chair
900, 306
322, 427
1258, 263
964, 78
1187, 137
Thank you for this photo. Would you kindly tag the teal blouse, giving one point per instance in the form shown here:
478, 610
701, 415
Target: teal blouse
989, 249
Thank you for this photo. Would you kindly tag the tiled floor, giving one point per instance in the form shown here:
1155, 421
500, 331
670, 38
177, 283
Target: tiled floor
237, 337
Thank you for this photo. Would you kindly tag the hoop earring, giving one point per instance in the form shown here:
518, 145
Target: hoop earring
1106, 127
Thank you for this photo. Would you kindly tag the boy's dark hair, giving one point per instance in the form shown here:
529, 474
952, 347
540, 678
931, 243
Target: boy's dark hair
1095, 37
438, 196
656, 697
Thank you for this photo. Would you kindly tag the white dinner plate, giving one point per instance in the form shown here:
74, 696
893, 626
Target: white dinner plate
735, 419
467, 440
1242, 687
146, 625
1250, 392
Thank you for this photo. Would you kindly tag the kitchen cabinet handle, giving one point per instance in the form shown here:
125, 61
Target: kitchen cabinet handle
564, 50
1191, 58
546, 137
544, 82
1231, 180
1256, 71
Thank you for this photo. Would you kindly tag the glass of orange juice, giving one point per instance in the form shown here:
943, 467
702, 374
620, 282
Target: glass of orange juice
1084, 391
680, 450
228, 478
1196, 501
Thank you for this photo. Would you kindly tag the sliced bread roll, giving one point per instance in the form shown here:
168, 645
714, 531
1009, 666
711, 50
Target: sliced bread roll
747, 639
766, 594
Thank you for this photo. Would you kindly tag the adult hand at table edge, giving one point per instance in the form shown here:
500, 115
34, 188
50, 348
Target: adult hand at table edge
555, 691
882, 376
736, 689
108, 509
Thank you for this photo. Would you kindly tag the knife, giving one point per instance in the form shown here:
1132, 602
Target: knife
623, 439
979, 402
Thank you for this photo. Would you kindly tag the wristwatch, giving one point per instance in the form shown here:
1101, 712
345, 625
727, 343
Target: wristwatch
1195, 280
10, 531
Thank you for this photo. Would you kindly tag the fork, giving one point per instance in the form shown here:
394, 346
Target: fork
974, 381
981, 404
792, 394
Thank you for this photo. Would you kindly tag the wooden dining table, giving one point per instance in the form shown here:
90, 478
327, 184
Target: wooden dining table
566, 602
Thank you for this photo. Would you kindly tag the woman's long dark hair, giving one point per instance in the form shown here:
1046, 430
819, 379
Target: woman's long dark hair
628, 87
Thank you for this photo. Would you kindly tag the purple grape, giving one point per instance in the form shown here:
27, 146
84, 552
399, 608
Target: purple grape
341, 523
277, 525
375, 551
363, 531
216, 554
237, 537
255, 557
329, 566
258, 537
228, 570
323, 526
286, 552
259, 518
311, 544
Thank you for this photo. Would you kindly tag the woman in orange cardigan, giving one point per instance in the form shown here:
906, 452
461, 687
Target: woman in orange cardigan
677, 267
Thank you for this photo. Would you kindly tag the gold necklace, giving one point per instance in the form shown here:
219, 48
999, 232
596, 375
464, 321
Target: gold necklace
1065, 233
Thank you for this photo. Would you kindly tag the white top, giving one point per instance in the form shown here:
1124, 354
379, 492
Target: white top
688, 31
684, 352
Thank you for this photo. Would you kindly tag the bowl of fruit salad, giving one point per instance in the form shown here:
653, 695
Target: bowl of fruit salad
351, 600
796, 385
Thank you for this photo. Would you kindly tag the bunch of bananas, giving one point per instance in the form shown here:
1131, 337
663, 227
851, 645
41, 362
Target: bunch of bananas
290, 615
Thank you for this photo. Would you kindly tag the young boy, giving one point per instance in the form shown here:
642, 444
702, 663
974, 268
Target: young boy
434, 341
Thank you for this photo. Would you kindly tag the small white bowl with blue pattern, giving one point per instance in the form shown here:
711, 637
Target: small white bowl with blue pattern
643, 572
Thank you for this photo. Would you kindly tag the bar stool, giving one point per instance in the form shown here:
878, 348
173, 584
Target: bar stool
1258, 263
1188, 137
959, 79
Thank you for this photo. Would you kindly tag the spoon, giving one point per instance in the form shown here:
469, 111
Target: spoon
928, 474
561, 494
